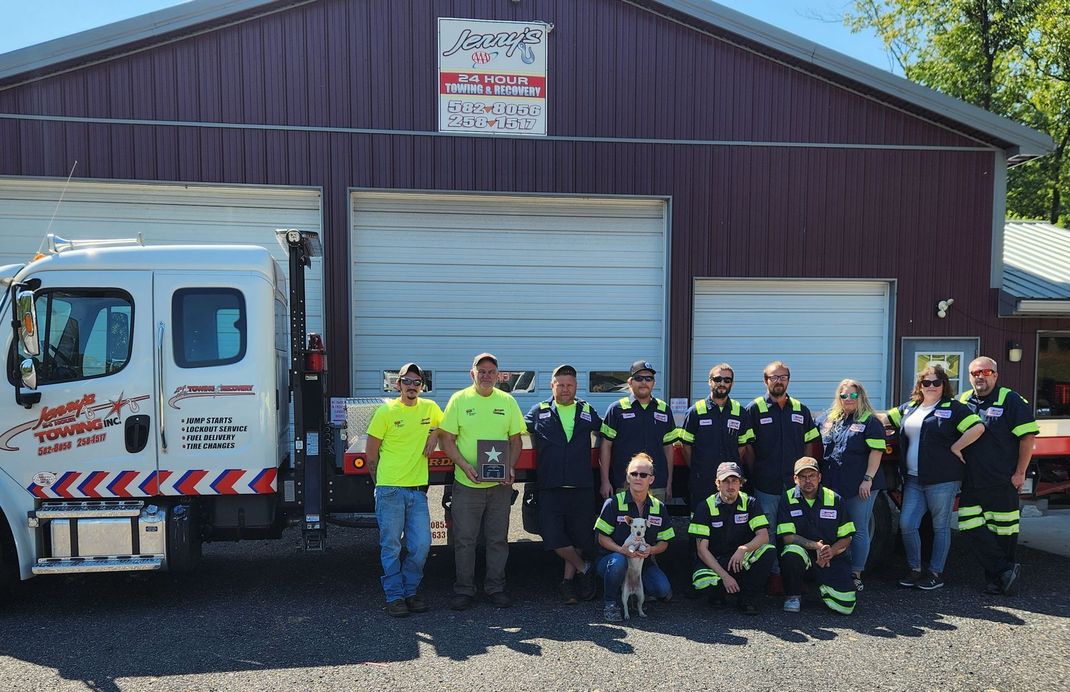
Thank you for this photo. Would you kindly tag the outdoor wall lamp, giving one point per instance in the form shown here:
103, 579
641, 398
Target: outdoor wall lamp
1014, 352
943, 306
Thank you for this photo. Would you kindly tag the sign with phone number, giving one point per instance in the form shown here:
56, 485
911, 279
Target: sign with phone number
492, 77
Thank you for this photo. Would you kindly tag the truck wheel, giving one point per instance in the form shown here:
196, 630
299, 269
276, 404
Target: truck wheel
529, 510
9, 560
884, 530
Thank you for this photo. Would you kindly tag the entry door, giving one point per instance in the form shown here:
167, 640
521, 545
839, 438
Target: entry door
92, 434
954, 354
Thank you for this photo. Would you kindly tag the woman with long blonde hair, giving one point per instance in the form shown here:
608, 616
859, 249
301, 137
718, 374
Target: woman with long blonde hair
854, 444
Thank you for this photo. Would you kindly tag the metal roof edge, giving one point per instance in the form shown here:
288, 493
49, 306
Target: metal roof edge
1027, 142
121, 33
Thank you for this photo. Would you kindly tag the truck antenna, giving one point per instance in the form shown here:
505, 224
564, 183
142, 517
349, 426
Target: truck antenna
59, 201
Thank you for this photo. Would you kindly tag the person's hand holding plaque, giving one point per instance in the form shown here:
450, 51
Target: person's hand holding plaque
491, 465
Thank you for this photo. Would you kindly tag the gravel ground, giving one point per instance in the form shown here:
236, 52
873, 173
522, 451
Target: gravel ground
262, 615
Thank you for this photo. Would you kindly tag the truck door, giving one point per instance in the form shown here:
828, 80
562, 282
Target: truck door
91, 435
215, 334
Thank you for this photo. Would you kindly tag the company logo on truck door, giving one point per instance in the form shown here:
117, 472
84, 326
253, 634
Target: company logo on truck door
76, 423
191, 391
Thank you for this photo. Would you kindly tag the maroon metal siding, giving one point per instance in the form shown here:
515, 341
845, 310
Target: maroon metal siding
615, 70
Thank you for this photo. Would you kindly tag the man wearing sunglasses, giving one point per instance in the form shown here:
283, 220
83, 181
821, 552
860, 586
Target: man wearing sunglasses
711, 433
639, 423
994, 473
401, 434
780, 431
562, 431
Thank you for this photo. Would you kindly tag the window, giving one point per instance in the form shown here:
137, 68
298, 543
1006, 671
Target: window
608, 381
516, 381
209, 327
83, 333
1053, 376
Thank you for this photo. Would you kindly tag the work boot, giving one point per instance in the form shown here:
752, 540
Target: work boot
588, 586
397, 608
461, 602
613, 612
500, 599
416, 603
568, 593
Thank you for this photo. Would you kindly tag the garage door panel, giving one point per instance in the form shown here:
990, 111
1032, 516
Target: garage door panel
524, 277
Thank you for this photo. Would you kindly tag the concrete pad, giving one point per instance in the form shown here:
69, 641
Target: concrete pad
1050, 533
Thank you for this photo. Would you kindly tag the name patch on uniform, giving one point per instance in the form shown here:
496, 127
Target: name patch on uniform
733, 424
544, 414
653, 521
765, 421
796, 512
994, 412
705, 421
858, 427
585, 416
716, 524
942, 413
828, 514
742, 518
621, 519
627, 414
797, 418
663, 417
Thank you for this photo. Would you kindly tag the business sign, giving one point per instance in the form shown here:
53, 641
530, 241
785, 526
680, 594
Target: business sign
492, 77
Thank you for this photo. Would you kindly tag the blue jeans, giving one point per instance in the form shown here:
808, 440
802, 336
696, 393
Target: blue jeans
938, 499
770, 503
613, 567
402, 511
859, 511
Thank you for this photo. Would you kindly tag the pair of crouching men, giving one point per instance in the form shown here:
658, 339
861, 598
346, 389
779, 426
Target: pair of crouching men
734, 552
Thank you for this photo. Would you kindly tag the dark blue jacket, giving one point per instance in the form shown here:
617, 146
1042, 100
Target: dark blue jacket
562, 463
941, 428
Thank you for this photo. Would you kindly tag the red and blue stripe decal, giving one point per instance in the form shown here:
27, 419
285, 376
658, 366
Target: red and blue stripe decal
105, 484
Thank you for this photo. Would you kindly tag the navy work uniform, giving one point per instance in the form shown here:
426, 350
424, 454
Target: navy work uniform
565, 476
779, 436
939, 430
635, 428
727, 526
821, 519
988, 506
848, 443
713, 432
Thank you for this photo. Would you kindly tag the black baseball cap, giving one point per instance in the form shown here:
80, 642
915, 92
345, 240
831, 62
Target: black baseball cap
564, 369
642, 365
410, 367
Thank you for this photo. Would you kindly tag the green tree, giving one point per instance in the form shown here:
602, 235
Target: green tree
1011, 57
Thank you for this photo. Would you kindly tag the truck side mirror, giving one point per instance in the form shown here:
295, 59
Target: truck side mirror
29, 373
27, 317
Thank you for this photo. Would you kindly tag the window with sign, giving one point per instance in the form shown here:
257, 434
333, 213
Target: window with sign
82, 334
1053, 376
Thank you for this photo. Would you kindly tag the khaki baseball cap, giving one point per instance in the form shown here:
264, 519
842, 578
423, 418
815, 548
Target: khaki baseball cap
806, 463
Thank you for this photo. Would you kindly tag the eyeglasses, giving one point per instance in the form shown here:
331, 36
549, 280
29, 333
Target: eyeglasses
639, 474
410, 381
931, 383
985, 372
849, 395
777, 378
643, 378
726, 380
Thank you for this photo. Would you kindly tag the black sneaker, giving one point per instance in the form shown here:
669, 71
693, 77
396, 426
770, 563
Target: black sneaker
416, 604
568, 593
1009, 580
912, 579
588, 585
397, 608
930, 582
461, 602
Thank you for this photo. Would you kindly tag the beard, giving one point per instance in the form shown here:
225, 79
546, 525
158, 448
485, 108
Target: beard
778, 389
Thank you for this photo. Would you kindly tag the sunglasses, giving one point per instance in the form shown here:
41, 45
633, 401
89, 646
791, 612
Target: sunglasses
931, 383
777, 378
410, 381
726, 380
643, 378
986, 372
849, 395
639, 474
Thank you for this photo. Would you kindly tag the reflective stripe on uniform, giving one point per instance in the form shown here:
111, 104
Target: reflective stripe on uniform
839, 601
667, 534
812, 434
968, 422
1026, 429
759, 522
704, 578
786, 527
686, 437
874, 443
895, 416
603, 526
1003, 523
698, 529
846, 529
608, 432
751, 557
792, 549
701, 408
970, 518
746, 437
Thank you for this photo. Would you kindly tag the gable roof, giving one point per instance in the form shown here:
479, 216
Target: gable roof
1036, 269
1020, 143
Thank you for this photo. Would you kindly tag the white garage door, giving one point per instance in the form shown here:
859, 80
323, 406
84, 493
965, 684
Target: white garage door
162, 213
537, 281
824, 330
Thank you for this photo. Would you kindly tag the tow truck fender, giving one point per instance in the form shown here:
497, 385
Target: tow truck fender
15, 502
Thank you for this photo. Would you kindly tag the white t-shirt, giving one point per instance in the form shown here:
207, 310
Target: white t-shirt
912, 431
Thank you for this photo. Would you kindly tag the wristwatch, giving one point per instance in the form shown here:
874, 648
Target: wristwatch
867, 477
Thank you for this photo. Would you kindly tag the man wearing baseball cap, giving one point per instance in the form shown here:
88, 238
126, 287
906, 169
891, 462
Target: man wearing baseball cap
733, 552
638, 423
562, 431
481, 413
401, 434
817, 531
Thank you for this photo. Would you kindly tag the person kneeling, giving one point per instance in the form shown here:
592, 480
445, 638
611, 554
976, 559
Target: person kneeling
614, 529
816, 532
733, 550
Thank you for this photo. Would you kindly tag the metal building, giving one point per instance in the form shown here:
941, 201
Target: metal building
707, 188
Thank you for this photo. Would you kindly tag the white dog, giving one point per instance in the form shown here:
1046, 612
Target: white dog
633, 580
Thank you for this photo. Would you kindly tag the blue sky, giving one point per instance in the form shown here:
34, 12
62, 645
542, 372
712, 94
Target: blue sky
28, 22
